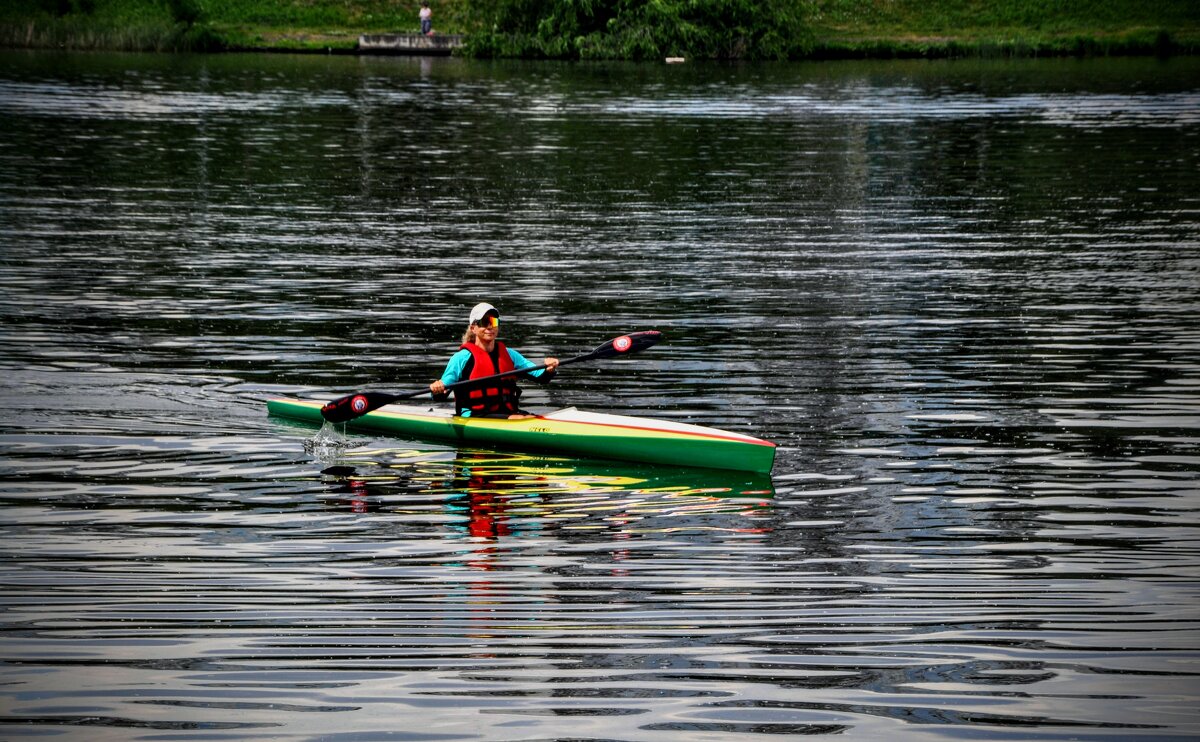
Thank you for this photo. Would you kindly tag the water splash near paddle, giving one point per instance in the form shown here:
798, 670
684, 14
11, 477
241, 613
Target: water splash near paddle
328, 444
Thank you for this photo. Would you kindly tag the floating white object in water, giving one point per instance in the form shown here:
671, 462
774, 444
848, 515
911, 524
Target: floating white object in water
675, 60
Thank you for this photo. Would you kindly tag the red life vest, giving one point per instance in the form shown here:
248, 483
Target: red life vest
498, 397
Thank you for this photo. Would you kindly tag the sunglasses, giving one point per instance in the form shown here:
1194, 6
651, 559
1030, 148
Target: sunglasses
489, 321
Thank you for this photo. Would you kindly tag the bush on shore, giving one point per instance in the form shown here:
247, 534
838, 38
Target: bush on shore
119, 25
640, 29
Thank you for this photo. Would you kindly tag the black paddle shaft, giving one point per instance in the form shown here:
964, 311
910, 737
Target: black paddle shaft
358, 404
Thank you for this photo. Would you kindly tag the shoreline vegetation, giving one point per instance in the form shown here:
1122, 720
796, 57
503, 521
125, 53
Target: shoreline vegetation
623, 29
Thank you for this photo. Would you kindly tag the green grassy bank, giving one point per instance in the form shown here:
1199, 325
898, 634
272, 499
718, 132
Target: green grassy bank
624, 29
1006, 27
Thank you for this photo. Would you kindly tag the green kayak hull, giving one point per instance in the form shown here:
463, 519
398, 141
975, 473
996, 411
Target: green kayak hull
571, 431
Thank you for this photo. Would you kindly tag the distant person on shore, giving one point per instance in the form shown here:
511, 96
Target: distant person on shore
426, 16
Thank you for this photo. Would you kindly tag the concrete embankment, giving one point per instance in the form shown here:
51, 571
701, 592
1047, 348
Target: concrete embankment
409, 43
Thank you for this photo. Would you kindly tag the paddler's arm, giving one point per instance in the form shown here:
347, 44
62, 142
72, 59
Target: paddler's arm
541, 376
455, 370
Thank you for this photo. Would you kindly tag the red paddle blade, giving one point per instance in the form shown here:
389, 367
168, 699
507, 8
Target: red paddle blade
351, 406
626, 344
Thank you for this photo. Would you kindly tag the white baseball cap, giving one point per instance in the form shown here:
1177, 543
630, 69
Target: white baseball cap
480, 311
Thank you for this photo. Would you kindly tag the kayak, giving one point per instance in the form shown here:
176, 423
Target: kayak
572, 431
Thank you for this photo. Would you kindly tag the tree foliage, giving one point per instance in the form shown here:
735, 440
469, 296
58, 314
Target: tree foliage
639, 29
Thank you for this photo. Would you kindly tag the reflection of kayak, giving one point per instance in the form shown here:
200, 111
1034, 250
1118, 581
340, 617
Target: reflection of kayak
546, 473
492, 494
573, 431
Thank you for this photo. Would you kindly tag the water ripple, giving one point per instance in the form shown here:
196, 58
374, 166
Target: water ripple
961, 297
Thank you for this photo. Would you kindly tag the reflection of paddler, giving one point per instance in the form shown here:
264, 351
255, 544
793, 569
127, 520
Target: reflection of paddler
487, 518
482, 484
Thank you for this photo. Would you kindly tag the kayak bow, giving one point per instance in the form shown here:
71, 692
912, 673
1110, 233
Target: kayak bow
572, 431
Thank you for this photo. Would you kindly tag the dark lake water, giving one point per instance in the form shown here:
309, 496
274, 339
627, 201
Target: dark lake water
962, 297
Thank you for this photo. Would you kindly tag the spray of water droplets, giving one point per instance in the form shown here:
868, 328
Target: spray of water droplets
328, 444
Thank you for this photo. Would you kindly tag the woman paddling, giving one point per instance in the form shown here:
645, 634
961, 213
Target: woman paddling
480, 355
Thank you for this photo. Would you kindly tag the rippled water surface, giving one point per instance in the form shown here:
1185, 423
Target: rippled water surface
962, 298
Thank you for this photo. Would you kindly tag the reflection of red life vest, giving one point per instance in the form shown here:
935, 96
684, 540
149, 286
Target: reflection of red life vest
487, 513
498, 397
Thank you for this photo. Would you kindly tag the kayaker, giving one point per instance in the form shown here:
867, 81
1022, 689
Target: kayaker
480, 355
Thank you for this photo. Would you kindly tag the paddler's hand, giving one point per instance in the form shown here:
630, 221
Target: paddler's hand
551, 364
438, 388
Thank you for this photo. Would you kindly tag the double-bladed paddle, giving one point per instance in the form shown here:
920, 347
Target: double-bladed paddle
355, 405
